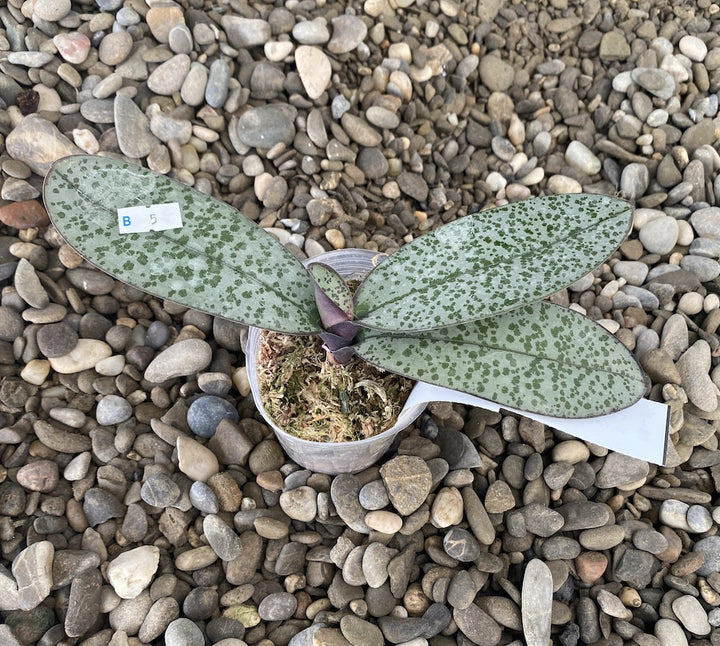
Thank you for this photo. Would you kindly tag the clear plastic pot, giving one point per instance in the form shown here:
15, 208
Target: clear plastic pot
331, 457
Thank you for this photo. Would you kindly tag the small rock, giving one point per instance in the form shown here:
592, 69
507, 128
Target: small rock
113, 409
691, 614
277, 606
590, 566
659, 235
130, 572
536, 606
159, 491
656, 81
299, 503
447, 508
183, 632
183, 358
205, 414
581, 157
32, 569
24, 215
496, 74
39, 143
408, 481
39, 475
224, 541
693, 367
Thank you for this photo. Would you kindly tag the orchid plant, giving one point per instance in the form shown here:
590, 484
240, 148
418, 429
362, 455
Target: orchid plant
459, 307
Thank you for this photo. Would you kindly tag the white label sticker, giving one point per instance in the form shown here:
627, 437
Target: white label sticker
156, 217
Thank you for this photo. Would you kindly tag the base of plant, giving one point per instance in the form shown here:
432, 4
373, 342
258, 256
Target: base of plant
310, 396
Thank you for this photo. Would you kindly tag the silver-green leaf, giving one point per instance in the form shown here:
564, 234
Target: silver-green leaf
218, 262
334, 287
492, 261
540, 358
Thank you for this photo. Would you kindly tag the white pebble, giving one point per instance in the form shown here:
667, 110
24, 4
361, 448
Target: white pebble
611, 288
495, 181
112, 366
659, 235
622, 82
693, 47
716, 515
699, 519
535, 176
610, 325
685, 233
711, 302
642, 216
673, 513
276, 51
131, 572
562, 184
690, 303
578, 155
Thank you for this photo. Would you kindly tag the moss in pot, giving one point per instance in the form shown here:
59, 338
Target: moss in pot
459, 307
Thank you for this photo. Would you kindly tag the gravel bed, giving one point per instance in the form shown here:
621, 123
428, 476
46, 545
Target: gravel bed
142, 499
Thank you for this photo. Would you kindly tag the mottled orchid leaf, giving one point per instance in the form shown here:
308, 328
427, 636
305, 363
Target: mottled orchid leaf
492, 262
540, 358
218, 262
332, 295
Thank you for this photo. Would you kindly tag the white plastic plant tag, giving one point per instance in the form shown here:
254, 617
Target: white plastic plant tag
640, 430
156, 217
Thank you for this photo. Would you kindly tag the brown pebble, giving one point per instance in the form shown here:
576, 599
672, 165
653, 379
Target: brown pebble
41, 475
271, 480
415, 600
674, 548
227, 491
590, 566
24, 215
687, 564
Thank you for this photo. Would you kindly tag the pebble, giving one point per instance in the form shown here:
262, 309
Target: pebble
693, 47
619, 470
85, 355
691, 614
447, 508
659, 235
693, 366
656, 81
266, 126
32, 569
159, 490
38, 142
183, 358
495, 73
536, 603
113, 409
408, 481
184, 632
130, 572
299, 503
579, 156
205, 414
168, 77
347, 33
40, 475
223, 540
196, 461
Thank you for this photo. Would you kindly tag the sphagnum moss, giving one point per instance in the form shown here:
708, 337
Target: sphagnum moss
320, 400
